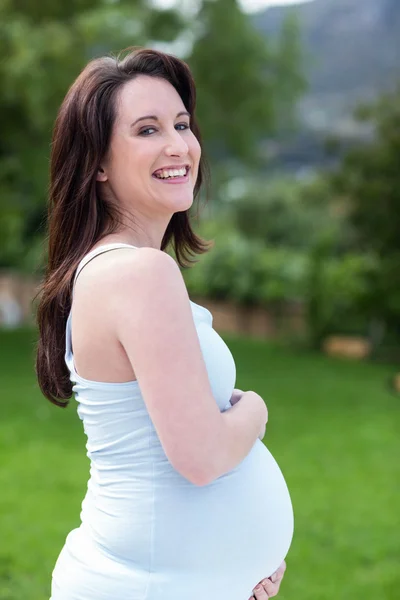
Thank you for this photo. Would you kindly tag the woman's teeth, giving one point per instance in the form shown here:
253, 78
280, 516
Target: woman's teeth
171, 173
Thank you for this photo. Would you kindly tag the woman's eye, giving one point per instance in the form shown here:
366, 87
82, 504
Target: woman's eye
183, 125
144, 130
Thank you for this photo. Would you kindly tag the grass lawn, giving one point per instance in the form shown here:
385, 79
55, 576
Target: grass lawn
334, 429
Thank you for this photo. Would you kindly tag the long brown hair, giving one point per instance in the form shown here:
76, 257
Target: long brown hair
77, 215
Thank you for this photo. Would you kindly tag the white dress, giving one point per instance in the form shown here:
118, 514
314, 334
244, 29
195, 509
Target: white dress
146, 532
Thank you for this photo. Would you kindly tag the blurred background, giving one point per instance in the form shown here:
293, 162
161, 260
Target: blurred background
299, 107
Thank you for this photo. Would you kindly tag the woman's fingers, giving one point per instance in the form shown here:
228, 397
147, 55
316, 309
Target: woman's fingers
269, 587
266, 589
259, 593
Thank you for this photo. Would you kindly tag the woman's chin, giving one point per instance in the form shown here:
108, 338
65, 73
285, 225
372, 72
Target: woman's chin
180, 204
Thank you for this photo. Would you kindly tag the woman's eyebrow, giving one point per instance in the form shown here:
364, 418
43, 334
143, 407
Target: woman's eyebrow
154, 118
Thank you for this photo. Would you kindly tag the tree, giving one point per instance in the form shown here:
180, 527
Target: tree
369, 177
244, 80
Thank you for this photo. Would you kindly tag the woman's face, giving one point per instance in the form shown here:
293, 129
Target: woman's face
151, 132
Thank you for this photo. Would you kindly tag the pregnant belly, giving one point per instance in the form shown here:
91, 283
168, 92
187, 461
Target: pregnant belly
232, 532
238, 528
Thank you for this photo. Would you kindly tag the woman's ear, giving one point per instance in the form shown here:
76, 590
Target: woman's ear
101, 175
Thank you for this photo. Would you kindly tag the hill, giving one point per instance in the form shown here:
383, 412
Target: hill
352, 50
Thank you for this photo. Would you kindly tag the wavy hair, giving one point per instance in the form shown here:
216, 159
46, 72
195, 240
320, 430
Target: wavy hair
78, 216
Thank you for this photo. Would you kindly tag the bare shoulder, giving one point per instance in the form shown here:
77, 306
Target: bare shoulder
118, 272
143, 275
142, 263
147, 282
135, 287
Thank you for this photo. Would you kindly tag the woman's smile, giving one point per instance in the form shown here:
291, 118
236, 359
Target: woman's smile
172, 175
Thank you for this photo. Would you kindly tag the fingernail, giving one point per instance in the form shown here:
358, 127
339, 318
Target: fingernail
258, 588
274, 577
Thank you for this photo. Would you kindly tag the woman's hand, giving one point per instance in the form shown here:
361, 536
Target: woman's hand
269, 587
236, 397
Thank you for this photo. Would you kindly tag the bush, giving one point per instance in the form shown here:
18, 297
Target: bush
337, 294
228, 271
337, 291
289, 214
248, 272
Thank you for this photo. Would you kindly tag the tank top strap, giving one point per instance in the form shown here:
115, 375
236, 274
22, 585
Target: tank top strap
99, 250
87, 258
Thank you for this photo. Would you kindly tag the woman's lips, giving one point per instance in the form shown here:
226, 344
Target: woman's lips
183, 179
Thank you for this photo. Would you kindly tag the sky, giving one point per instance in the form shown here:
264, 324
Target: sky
254, 5
248, 6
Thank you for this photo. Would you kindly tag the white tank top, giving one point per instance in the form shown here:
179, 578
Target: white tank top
146, 532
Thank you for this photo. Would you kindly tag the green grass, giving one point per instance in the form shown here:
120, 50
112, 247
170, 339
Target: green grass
333, 428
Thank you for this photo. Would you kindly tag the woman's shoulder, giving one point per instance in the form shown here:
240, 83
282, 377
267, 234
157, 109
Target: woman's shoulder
124, 269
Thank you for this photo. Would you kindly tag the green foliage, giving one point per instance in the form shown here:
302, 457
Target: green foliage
243, 80
338, 289
283, 275
335, 288
282, 215
286, 213
246, 271
369, 177
224, 272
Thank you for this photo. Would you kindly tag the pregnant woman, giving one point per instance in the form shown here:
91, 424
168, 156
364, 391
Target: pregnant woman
184, 501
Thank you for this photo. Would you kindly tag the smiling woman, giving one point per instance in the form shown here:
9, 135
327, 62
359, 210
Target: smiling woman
183, 500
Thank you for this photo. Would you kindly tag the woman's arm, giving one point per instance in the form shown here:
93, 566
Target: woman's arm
148, 307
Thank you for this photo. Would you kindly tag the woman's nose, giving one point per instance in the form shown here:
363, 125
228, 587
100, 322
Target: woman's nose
176, 144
